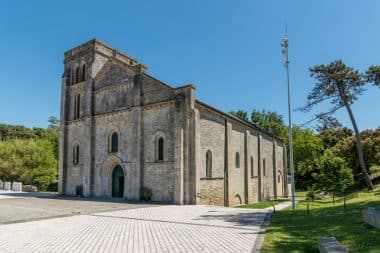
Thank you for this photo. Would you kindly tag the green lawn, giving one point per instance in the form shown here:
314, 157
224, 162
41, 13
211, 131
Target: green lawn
301, 194
264, 204
296, 231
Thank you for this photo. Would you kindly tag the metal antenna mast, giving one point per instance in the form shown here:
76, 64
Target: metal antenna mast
285, 53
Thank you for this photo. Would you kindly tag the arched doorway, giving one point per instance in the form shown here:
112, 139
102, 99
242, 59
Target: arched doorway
118, 182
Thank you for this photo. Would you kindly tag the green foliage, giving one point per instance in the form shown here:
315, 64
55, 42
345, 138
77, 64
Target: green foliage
29, 155
145, 194
29, 161
374, 168
240, 114
53, 122
310, 194
270, 121
372, 75
308, 148
346, 149
334, 175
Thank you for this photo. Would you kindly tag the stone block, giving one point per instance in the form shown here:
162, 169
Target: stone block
29, 188
330, 245
1, 185
16, 186
371, 216
7, 186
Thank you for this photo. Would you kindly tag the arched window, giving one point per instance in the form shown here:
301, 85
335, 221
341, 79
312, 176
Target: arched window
77, 107
252, 172
237, 160
208, 163
279, 178
84, 72
264, 167
160, 149
76, 154
114, 143
77, 75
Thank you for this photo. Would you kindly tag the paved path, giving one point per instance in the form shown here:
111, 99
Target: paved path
152, 229
22, 206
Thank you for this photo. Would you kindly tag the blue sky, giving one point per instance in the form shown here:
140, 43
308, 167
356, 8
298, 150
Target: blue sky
229, 49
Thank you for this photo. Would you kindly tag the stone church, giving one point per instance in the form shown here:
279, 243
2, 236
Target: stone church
122, 129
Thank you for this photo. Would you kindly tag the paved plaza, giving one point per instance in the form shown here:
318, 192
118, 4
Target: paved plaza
167, 228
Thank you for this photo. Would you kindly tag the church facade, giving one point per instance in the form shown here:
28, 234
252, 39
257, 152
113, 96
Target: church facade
122, 129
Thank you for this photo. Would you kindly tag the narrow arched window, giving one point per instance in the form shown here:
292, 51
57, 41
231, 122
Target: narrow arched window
252, 167
77, 75
208, 163
114, 143
264, 167
237, 160
279, 178
76, 154
160, 149
77, 107
84, 72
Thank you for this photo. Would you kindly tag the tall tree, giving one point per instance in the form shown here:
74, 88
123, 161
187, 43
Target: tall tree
53, 122
372, 75
341, 85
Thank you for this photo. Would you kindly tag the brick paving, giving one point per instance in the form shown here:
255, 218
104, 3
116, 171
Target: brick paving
148, 229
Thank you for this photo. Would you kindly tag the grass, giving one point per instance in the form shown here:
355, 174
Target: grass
264, 204
301, 194
296, 231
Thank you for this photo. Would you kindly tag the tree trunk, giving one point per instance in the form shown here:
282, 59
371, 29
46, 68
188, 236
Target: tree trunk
359, 147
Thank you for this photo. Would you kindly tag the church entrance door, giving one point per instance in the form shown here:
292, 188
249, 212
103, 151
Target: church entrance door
118, 182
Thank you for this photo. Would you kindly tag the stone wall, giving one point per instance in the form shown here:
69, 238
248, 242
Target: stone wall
212, 139
211, 191
78, 133
267, 167
159, 175
253, 168
236, 178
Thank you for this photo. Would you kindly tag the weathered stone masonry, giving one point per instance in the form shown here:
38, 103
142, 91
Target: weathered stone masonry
122, 129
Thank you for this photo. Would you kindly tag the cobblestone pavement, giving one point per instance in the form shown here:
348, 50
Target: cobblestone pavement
21, 206
152, 229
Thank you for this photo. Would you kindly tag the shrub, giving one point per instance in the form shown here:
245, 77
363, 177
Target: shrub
145, 194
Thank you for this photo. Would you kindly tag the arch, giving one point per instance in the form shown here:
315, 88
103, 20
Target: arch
118, 182
76, 154
209, 164
252, 167
237, 199
159, 146
113, 142
237, 160
105, 174
77, 106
